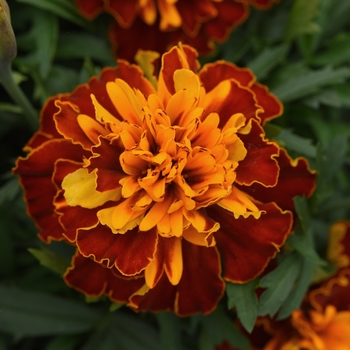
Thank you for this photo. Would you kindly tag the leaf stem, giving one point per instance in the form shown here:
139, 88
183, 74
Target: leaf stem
18, 96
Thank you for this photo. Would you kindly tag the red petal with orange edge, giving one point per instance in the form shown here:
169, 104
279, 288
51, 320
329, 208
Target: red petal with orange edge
247, 245
35, 173
260, 164
67, 124
130, 252
238, 100
90, 9
230, 15
273, 108
293, 181
47, 129
123, 11
94, 279
198, 291
213, 73
173, 61
109, 171
334, 291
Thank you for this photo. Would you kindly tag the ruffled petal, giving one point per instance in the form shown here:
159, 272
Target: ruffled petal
260, 164
130, 253
101, 280
247, 245
295, 179
36, 178
90, 9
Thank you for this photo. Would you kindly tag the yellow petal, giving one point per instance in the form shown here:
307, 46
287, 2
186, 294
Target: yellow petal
199, 238
125, 101
91, 128
173, 261
80, 189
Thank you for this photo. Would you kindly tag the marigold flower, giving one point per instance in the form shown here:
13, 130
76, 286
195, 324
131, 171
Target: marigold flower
163, 23
151, 183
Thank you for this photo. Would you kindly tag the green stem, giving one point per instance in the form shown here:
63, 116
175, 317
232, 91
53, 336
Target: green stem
18, 96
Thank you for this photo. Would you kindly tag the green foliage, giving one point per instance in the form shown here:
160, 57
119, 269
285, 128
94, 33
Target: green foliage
301, 19
302, 55
244, 299
25, 313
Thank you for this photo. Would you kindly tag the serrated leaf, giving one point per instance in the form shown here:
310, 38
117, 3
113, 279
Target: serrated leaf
26, 313
309, 83
268, 59
170, 331
303, 243
297, 294
244, 299
278, 284
301, 19
61, 8
296, 143
217, 328
50, 260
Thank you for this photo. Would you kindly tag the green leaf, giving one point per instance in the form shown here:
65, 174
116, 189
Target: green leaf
301, 19
328, 97
331, 159
309, 83
217, 328
336, 54
268, 59
26, 313
50, 260
61, 8
343, 92
279, 283
10, 190
302, 209
81, 45
170, 331
123, 332
297, 294
296, 143
66, 342
244, 299
304, 244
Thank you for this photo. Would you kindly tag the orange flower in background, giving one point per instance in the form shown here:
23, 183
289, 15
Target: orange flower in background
323, 321
159, 24
167, 189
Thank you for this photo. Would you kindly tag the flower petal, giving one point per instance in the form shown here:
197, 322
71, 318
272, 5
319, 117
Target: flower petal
295, 179
101, 280
260, 164
198, 291
246, 245
36, 178
130, 253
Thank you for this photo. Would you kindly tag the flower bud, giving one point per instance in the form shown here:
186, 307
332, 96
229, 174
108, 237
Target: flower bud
8, 47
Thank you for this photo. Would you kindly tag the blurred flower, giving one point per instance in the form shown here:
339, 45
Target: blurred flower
163, 23
166, 189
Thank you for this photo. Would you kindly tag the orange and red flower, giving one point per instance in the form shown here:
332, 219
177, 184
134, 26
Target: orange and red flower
167, 187
159, 24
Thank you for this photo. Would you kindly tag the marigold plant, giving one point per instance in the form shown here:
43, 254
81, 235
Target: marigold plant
163, 23
167, 187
